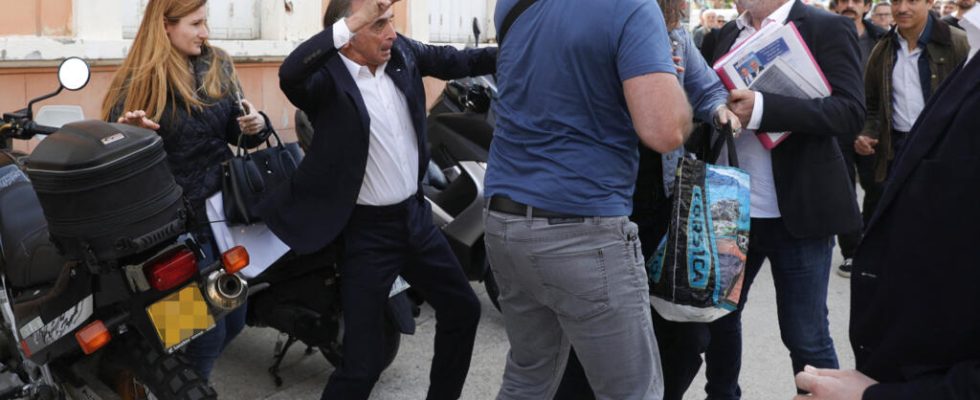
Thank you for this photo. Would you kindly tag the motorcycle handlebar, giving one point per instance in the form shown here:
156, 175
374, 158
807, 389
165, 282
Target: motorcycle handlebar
32, 128
24, 130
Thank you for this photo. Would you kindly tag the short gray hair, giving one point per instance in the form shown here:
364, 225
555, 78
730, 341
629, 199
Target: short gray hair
336, 10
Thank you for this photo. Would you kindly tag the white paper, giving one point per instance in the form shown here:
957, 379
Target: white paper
774, 60
264, 247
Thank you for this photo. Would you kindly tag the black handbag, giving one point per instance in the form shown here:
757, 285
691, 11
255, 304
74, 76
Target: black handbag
249, 176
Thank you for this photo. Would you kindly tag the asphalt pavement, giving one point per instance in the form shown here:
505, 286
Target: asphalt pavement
242, 372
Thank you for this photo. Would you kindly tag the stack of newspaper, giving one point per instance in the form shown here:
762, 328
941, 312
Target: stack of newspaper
774, 60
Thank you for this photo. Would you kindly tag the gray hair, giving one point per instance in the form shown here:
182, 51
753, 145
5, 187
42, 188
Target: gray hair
337, 10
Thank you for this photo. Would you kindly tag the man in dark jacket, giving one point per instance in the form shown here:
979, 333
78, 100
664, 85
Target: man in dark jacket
801, 194
868, 35
915, 307
904, 69
361, 85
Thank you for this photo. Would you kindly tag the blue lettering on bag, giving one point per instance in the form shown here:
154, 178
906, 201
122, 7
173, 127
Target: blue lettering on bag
698, 242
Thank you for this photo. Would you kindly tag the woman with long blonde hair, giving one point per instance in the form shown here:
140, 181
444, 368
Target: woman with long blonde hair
174, 82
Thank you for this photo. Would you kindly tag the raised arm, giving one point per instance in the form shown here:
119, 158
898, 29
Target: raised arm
446, 62
302, 76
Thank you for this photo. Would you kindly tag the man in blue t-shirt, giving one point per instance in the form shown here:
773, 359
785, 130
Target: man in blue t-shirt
581, 82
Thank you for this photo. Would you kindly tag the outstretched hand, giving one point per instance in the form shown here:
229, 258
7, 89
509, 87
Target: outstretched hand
832, 384
138, 118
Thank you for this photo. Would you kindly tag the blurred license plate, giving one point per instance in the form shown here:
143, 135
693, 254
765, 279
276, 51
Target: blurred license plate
180, 316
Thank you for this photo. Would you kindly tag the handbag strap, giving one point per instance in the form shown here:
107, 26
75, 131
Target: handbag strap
512, 15
240, 152
725, 138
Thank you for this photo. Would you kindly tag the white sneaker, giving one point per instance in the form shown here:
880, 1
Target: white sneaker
844, 269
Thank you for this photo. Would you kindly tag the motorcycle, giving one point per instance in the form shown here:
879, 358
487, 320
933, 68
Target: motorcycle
103, 311
299, 296
460, 129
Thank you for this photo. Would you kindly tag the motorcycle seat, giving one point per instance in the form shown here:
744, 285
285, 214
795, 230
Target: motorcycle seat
29, 258
471, 126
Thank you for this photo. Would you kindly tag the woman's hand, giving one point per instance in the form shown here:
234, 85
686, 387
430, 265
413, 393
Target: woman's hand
865, 145
138, 118
251, 123
724, 116
677, 64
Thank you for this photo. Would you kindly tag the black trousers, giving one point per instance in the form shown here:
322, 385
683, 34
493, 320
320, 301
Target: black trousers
865, 166
379, 244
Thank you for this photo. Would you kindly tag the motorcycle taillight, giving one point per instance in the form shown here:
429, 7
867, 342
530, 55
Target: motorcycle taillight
171, 271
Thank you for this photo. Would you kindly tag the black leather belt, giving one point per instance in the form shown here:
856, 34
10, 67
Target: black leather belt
508, 206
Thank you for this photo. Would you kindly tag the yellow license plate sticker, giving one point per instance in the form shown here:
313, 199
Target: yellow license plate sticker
180, 316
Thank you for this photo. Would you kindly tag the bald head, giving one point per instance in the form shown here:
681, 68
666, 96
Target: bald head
708, 17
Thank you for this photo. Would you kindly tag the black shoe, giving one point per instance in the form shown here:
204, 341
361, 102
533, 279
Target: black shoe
845, 268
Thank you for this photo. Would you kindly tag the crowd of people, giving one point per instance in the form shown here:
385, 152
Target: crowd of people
596, 102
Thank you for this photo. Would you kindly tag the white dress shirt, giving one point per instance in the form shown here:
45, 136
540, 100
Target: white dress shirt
392, 171
907, 99
971, 23
752, 157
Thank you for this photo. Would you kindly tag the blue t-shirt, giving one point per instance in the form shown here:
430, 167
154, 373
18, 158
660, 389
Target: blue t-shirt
564, 140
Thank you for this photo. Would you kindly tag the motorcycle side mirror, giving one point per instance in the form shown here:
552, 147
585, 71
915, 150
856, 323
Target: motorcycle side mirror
476, 31
73, 73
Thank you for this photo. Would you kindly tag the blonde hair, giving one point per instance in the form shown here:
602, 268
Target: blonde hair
154, 70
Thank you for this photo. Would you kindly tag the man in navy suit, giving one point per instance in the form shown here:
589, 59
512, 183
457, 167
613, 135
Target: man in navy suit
361, 86
915, 307
801, 193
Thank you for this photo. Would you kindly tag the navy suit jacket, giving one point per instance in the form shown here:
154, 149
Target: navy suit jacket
312, 209
915, 288
815, 195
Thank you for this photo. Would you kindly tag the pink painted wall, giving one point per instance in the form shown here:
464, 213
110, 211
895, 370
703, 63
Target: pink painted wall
36, 17
259, 80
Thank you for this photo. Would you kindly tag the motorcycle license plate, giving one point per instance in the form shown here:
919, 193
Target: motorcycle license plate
181, 316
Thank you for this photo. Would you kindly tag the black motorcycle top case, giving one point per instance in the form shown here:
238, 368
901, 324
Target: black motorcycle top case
106, 190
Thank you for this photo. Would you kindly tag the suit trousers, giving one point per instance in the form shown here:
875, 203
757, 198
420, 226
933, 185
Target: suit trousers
800, 272
380, 243
573, 282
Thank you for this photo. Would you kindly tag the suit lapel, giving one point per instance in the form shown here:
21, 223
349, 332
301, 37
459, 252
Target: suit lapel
931, 126
400, 74
797, 15
346, 82
725, 40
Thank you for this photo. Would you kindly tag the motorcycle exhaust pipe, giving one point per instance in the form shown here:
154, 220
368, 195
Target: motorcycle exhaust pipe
224, 291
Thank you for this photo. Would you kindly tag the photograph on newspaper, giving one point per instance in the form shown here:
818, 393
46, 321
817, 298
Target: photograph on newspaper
774, 60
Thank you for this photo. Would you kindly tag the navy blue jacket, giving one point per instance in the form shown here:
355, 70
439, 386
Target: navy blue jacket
197, 143
816, 197
313, 208
915, 303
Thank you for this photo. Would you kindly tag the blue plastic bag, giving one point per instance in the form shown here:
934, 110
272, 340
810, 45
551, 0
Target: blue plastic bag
697, 271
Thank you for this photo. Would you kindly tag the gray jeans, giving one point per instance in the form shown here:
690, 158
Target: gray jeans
578, 282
